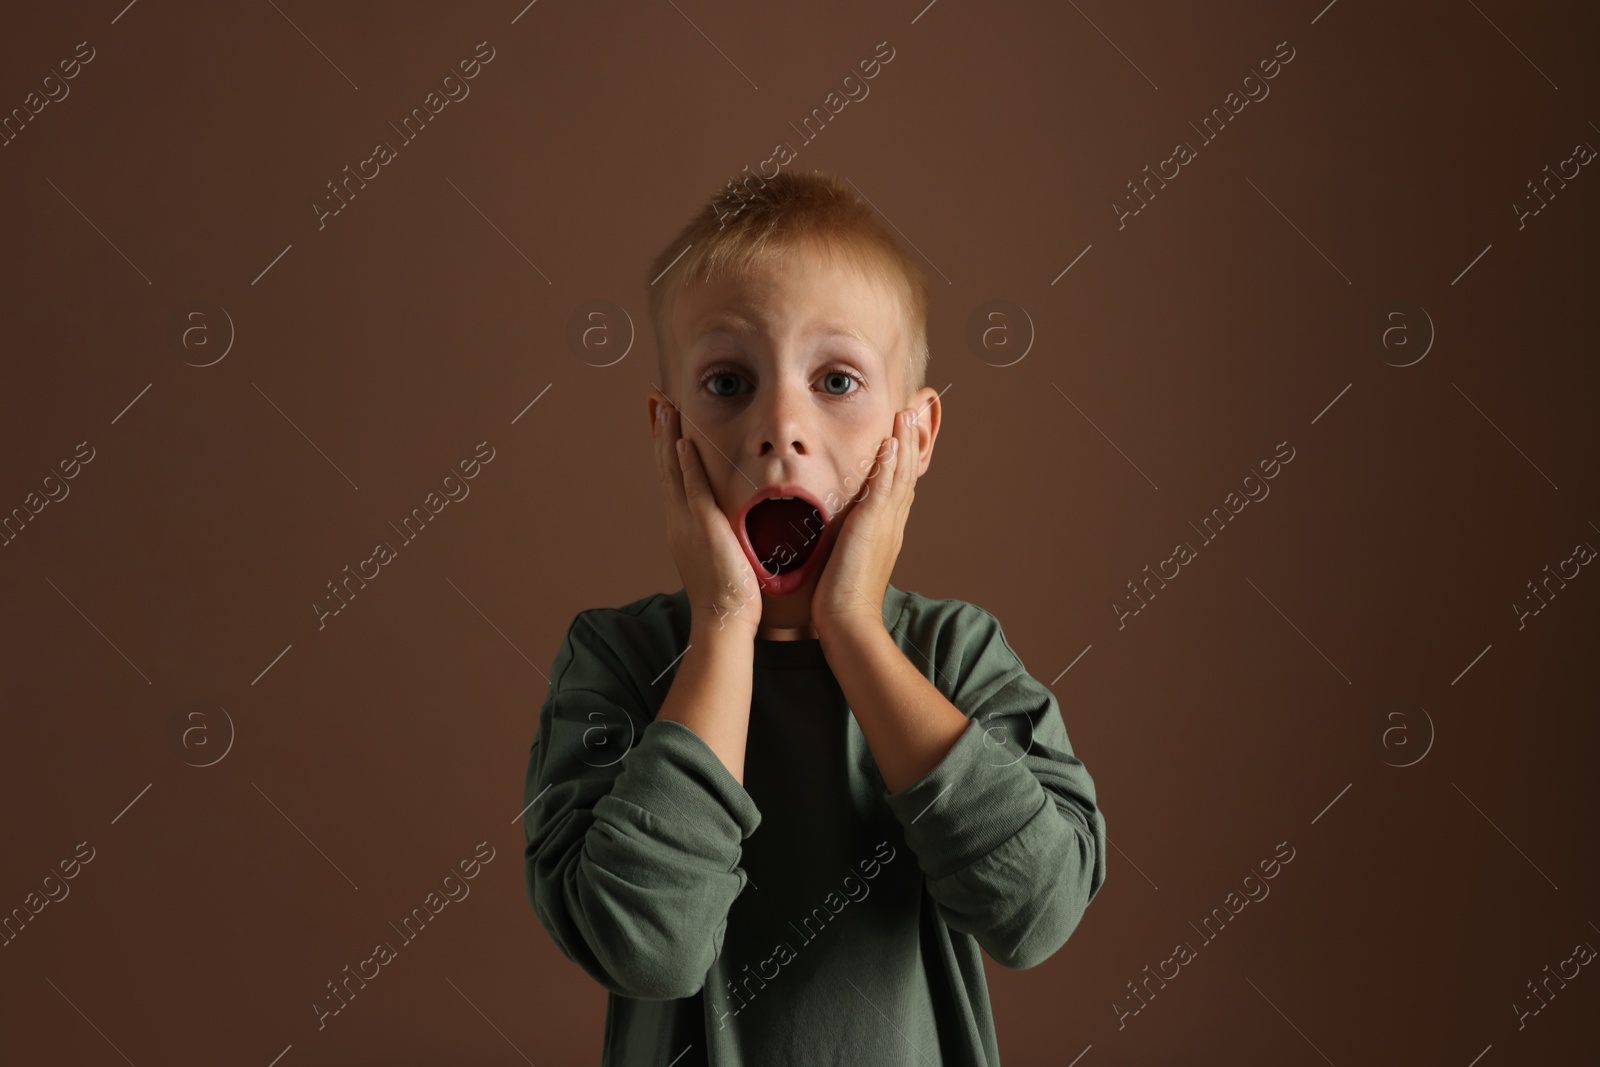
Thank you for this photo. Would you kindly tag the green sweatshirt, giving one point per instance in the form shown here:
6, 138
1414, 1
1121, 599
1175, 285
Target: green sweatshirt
809, 916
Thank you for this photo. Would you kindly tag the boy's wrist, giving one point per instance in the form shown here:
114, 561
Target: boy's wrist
726, 629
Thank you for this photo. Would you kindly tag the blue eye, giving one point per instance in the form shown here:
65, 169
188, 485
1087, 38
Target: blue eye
837, 378
846, 377
721, 374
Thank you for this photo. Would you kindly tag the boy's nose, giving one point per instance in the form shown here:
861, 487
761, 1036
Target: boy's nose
780, 425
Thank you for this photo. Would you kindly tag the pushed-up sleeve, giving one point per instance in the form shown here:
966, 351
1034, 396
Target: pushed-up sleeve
1005, 827
634, 830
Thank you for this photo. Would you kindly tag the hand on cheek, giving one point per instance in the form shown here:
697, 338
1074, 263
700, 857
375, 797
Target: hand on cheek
853, 582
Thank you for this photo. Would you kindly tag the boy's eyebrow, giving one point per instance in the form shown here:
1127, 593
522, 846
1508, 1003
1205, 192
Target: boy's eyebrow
733, 322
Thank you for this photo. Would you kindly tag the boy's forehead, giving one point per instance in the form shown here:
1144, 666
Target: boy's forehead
822, 299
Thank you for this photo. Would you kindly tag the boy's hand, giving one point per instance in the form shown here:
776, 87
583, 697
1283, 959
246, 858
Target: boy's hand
717, 577
856, 576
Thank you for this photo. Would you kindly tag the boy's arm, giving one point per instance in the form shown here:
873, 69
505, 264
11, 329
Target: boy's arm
1003, 820
634, 826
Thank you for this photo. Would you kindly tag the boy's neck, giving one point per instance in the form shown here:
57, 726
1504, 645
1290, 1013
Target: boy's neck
804, 631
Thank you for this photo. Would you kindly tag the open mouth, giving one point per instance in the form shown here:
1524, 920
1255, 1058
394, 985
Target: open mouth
784, 532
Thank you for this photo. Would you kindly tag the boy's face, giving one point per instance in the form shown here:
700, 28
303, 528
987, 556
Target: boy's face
773, 395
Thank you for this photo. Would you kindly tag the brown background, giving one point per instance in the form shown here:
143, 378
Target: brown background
1249, 704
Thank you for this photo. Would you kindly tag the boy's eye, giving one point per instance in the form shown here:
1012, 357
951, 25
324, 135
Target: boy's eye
843, 379
835, 382
716, 376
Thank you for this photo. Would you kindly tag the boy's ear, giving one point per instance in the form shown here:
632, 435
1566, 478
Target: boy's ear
654, 400
925, 402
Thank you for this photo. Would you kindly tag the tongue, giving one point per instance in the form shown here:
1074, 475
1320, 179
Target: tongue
783, 533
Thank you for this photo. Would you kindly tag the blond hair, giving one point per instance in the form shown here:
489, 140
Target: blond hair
741, 226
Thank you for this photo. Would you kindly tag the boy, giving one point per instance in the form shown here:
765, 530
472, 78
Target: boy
914, 787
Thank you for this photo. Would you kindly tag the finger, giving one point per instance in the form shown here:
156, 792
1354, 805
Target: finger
906, 460
667, 460
883, 474
696, 488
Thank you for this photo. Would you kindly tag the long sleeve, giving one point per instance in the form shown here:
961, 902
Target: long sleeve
1005, 827
634, 827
